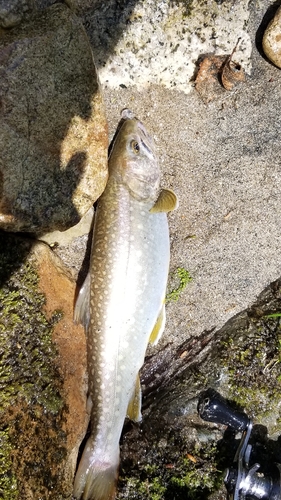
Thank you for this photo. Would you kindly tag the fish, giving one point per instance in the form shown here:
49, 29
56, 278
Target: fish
122, 301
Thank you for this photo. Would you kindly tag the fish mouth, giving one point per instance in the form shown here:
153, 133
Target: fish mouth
145, 138
127, 114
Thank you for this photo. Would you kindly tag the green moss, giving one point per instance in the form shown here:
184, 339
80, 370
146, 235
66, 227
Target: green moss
25, 342
183, 277
151, 489
31, 404
173, 473
8, 482
253, 366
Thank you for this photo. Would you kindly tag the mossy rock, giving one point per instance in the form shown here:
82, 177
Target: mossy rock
173, 454
32, 409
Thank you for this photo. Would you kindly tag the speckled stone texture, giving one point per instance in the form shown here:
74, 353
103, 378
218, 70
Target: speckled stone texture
53, 138
137, 43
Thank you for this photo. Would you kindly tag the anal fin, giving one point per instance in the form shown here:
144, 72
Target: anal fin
134, 406
158, 327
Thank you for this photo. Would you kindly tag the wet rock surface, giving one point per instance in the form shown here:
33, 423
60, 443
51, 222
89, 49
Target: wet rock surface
43, 373
53, 126
174, 454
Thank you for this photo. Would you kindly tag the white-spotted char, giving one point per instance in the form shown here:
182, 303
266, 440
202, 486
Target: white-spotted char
121, 303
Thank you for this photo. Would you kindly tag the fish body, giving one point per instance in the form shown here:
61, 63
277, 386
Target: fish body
122, 301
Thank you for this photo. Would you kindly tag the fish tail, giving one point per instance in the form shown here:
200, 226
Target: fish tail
96, 478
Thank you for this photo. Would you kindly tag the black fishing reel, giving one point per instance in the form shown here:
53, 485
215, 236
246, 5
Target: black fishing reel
244, 479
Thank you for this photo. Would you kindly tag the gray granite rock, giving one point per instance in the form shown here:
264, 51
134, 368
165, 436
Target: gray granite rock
13, 11
53, 127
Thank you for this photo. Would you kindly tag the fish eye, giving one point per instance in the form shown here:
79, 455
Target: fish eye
135, 147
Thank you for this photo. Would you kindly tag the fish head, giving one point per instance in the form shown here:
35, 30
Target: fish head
133, 160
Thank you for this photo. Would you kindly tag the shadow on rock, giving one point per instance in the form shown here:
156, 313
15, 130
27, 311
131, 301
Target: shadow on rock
105, 25
54, 131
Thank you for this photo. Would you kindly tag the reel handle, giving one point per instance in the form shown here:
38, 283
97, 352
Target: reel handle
212, 407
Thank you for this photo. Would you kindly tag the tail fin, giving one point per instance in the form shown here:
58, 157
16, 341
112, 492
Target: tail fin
96, 478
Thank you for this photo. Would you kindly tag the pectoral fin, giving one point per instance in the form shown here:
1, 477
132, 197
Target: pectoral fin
166, 201
82, 306
134, 406
158, 327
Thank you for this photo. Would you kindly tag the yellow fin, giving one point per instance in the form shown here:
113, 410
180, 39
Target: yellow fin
166, 202
134, 406
158, 327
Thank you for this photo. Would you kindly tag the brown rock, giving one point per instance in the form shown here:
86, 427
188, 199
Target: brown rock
59, 290
43, 373
54, 139
272, 40
216, 71
207, 79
